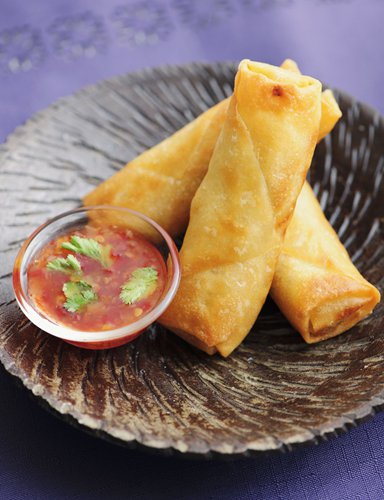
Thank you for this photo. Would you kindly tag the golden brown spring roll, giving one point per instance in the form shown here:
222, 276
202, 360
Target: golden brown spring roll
241, 210
315, 284
162, 181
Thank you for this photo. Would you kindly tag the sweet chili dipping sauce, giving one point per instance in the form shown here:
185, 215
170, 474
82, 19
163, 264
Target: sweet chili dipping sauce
97, 278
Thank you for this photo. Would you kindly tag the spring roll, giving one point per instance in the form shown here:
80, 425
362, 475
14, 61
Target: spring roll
241, 210
316, 285
162, 181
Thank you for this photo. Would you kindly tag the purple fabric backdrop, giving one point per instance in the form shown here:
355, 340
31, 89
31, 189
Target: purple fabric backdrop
51, 48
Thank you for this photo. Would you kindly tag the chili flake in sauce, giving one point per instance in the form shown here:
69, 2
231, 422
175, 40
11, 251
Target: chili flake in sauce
97, 278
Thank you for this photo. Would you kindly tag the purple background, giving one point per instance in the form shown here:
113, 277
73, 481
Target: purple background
49, 49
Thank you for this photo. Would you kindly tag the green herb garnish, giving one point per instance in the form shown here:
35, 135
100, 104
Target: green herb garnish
68, 265
141, 284
78, 294
90, 248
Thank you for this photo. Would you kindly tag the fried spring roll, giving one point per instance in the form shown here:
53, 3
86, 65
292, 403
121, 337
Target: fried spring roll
316, 285
241, 210
162, 181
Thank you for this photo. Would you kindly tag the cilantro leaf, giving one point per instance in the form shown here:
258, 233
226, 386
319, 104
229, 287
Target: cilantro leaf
78, 294
90, 248
65, 265
141, 284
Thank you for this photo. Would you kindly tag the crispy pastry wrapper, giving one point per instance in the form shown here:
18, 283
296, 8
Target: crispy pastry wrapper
162, 181
316, 285
330, 111
241, 210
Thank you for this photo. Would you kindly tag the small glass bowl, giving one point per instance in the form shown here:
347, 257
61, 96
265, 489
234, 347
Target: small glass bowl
73, 220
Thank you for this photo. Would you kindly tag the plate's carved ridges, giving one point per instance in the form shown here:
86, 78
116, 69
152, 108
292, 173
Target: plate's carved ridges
30, 214
25, 324
363, 210
53, 201
91, 180
144, 373
8, 332
328, 159
9, 252
372, 128
17, 225
67, 165
204, 95
45, 189
347, 188
196, 400
160, 400
68, 130
91, 147
363, 245
367, 156
324, 199
123, 387
199, 106
344, 228
103, 114
87, 382
349, 240
113, 115
217, 91
32, 157
378, 176
127, 131
26, 174
376, 260
361, 149
228, 399
177, 112
357, 196
113, 133
179, 101
10, 190
206, 398
57, 141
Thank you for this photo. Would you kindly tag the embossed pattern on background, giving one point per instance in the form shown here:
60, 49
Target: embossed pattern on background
141, 22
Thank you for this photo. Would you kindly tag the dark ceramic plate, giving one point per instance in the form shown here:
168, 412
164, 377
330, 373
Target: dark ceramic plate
274, 391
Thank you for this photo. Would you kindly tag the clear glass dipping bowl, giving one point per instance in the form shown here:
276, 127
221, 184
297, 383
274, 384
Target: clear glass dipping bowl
75, 219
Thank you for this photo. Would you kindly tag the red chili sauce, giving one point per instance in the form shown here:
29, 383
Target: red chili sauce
125, 252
